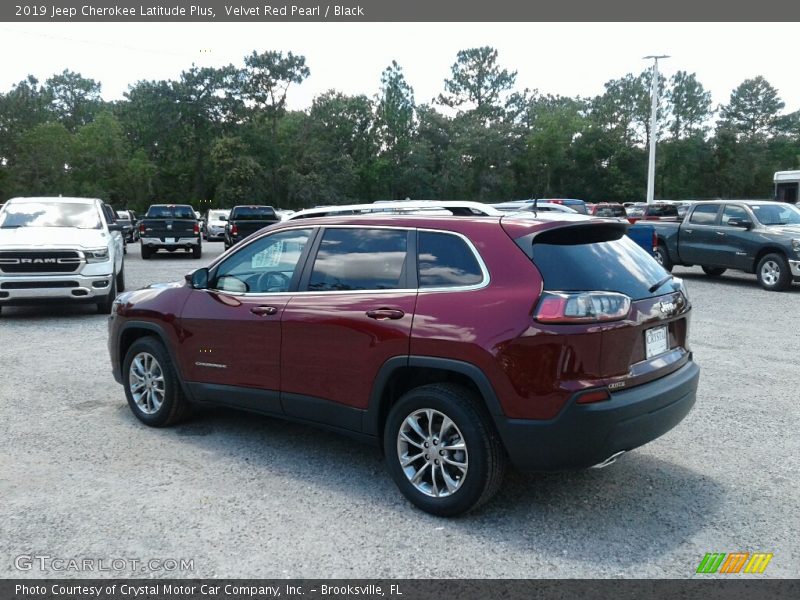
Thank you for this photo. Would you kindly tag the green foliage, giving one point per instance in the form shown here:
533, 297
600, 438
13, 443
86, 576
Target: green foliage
224, 135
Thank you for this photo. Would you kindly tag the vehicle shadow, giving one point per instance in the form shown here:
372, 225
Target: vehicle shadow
45, 311
729, 279
639, 507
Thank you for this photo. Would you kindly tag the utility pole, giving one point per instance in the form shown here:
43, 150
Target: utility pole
651, 166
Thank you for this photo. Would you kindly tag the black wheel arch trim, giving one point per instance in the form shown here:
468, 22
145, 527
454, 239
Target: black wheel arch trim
162, 336
372, 417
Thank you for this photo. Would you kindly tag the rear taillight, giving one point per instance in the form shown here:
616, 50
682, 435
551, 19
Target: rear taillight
196, 229
234, 230
141, 227
582, 307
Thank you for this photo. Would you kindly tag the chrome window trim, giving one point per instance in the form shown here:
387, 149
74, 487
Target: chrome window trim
300, 225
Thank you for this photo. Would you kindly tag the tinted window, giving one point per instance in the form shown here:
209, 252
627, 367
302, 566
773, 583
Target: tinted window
705, 214
50, 214
360, 259
613, 266
266, 265
170, 212
733, 212
445, 260
253, 213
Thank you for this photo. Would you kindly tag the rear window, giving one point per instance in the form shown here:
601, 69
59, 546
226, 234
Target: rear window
662, 210
616, 265
175, 211
610, 211
253, 213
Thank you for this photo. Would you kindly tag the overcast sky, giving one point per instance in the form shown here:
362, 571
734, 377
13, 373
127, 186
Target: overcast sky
559, 58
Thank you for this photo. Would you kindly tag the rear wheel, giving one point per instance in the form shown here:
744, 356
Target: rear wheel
773, 273
714, 271
442, 450
662, 257
197, 251
152, 387
146, 252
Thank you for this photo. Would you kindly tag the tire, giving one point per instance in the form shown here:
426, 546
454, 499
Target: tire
104, 306
125, 248
662, 257
121, 279
714, 271
197, 251
481, 452
161, 402
773, 273
146, 252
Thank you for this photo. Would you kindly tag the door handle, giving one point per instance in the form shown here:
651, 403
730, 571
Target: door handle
263, 311
381, 314
720, 233
687, 231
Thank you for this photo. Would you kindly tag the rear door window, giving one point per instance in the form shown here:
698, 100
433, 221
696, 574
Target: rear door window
705, 214
445, 260
352, 259
734, 212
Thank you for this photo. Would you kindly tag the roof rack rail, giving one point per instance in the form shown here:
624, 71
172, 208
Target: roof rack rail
402, 207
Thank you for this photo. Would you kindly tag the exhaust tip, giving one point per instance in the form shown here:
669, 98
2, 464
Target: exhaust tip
609, 461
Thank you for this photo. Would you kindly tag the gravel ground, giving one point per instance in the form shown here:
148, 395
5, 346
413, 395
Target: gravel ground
246, 496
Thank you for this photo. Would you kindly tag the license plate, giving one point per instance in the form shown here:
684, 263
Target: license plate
656, 341
169, 240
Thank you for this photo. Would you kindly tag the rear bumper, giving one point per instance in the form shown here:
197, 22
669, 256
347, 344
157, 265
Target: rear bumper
69, 287
584, 435
184, 242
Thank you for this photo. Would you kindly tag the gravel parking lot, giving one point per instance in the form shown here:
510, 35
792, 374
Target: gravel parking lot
251, 496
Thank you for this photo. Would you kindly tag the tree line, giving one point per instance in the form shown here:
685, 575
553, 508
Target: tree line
224, 136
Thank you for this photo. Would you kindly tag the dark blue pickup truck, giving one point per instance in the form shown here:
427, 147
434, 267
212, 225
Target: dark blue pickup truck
759, 237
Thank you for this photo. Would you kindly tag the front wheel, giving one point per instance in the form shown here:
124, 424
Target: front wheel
442, 450
152, 387
104, 306
773, 273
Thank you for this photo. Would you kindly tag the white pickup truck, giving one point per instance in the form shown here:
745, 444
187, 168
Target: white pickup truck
60, 250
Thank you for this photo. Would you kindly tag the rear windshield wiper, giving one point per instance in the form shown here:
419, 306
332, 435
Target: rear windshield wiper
657, 285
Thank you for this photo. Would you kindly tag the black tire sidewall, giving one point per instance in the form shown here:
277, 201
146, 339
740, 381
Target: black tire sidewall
665, 261
155, 348
472, 488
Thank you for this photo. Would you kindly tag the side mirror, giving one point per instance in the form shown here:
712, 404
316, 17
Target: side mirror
198, 278
737, 222
114, 227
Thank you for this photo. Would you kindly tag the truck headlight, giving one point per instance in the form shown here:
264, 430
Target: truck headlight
96, 255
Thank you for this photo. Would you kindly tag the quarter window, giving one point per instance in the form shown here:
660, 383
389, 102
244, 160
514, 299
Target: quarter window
360, 259
264, 266
445, 260
705, 214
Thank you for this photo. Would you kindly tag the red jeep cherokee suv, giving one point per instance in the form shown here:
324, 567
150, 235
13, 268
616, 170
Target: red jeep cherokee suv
458, 343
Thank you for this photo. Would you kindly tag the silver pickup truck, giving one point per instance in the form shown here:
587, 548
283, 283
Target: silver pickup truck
60, 250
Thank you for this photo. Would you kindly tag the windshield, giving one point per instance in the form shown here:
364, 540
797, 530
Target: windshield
214, 215
772, 214
50, 214
170, 212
